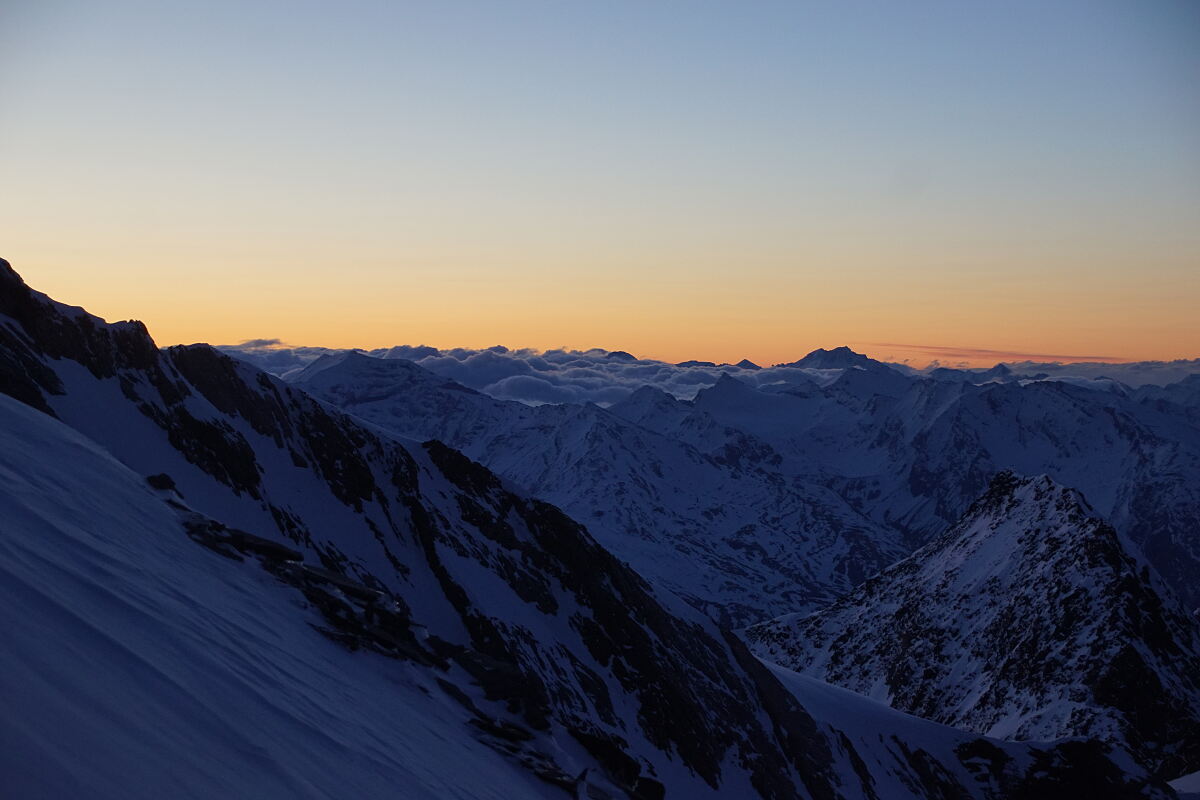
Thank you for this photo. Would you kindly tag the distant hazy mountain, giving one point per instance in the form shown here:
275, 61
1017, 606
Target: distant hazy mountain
605, 377
1028, 619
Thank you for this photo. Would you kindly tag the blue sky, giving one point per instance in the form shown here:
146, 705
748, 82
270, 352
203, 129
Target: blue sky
679, 179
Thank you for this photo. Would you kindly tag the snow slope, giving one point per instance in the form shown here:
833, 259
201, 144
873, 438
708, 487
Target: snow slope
1187, 786
138, 664
903, 753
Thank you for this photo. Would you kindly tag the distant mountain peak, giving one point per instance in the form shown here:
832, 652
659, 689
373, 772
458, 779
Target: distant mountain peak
350, 360
650, 395
837, 358
1030, 618
392, 374
727, 386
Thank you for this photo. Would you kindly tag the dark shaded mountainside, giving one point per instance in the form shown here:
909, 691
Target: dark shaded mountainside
1029, 619
558, 656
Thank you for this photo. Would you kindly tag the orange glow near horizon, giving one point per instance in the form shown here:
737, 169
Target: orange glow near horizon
672, 322
712, 183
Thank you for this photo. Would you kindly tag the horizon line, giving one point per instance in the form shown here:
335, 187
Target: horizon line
963, 353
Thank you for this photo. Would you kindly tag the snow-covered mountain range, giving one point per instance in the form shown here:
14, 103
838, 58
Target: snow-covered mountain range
1028, 619
913, 453
216, 583
699, 508
139, 664
904, 454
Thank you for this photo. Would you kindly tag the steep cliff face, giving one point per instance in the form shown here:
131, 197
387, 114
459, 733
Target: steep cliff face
1028, 619
554, 655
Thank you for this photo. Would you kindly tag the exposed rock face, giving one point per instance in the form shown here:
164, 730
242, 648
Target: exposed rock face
1028, 619
565, 658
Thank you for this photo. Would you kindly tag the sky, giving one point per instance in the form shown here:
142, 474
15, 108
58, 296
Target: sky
679, 180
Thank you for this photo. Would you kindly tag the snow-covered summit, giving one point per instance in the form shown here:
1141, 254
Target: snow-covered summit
1030, 618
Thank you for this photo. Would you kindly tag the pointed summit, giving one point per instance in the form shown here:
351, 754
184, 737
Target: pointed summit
727, 387
652, 405
648, 395
999, 371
